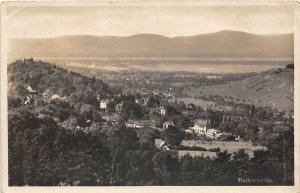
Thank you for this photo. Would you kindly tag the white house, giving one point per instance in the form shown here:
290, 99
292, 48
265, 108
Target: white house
168, 124
103, 104
162, 110
134, 124
200, 126
237, 138
30, 89
214, 133
211, 132
28, 100
163, 145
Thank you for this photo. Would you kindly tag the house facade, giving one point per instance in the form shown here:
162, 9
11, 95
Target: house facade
168, 124
214, 134
162, 111
200, 126
134, 125
31, 90
103, 104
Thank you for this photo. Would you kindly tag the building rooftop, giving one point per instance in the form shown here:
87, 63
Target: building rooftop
201, 122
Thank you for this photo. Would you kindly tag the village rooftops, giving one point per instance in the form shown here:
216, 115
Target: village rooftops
139, 124
57, 97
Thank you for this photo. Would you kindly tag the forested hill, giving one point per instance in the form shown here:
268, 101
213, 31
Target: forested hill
54, 127
46, 78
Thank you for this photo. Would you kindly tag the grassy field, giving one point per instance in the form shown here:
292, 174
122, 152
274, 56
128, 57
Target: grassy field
196, 153
230, 146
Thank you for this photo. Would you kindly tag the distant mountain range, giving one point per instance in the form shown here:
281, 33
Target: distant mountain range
225, 44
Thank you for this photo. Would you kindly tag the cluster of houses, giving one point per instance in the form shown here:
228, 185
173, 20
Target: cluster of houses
200, 126
214, 76
168, 93
29, 99
141, 124
142, 101
104, 103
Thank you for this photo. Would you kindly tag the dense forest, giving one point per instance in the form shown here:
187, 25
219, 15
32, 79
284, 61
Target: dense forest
61, 141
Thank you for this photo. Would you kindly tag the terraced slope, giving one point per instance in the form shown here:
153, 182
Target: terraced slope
272, 88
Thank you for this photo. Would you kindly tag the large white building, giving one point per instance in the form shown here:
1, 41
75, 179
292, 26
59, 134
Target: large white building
200, 126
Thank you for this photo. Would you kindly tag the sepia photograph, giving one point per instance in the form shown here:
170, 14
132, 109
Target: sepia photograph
121, 94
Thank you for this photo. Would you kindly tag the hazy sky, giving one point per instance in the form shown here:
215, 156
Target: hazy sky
37, 21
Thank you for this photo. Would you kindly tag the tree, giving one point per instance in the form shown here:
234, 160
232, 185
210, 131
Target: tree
181, 121
166, 167
187, 169
153, 102
282, 154
240, 158
173, 136
289, 66
131, 111
122, 140
191, 107
14, 102
222, 169
240, 161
